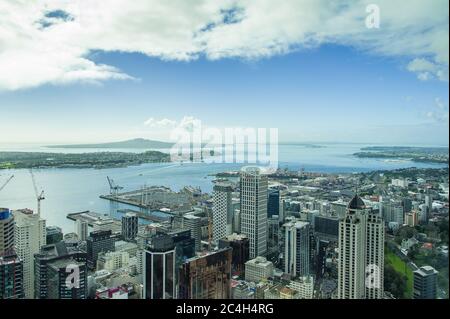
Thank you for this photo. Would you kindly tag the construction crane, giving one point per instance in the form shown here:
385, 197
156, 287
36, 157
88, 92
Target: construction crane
113, 187
6, 183
39, 196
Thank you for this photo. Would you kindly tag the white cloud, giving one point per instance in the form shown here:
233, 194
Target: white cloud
151, 122
439, 113
427, 70
38, 48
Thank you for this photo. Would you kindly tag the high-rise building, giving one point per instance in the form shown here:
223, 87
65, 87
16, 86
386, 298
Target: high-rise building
54, 234
273, 203
222, 210
207, 276
326, 227
6, 231
11, 267
130, 224
11, 276
374, 257
361, 253
82, 229
159, 268
240, 253
50, 254
67, 279
184, 245
411, 219
97, 242
297, 249
407, 205
29, 237
425, 283
253, 187
352, 246
194, 224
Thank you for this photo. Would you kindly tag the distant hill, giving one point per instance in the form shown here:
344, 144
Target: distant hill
134, 143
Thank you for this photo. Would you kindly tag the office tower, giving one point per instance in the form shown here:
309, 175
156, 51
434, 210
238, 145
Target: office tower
326, 227
67, 279
97, 242
393, 212
130, 223
11, 267
184, 245
11, 276
54, 234
237, 221
296, 248
428, 202
424, 213
82, 229
273, 203
253, 186
240, 253
425, 283
374, 257
159, 268
352, 246
321, 257
6, 231
29, 237
222, 210
361, 253
411, 219
49, 254
207, 276
407, 205
194, 224
273, 236
258, 269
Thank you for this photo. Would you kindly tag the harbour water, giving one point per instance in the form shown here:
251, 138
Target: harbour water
75, 190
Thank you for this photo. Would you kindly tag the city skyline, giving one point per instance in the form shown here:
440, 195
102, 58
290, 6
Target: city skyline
320, 76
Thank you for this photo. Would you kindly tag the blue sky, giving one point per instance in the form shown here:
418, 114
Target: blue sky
332, 92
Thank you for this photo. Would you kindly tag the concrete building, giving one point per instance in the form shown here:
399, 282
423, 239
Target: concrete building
425, 283
54, 234
194, 224
130, 224
113, 260
6, 230
253, 186
11, 266
11, 276
411, 219
82, 229
297, 248
304, 286
374, 257
240, 254
258, 269
97, 242
361, 249
29, 237
352, 244
67, 279
50, 254
222, 210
